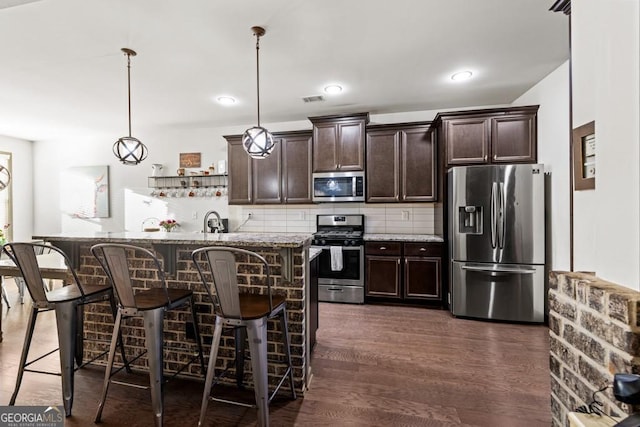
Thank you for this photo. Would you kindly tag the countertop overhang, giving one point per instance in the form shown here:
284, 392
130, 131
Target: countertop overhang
279, 240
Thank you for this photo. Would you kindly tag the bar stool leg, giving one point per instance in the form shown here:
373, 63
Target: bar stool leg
25, 352
153, 330
4, 296
114, 313
285, 338
66, 319
257, 332
240, 334
196, 329
213, 356
107, 372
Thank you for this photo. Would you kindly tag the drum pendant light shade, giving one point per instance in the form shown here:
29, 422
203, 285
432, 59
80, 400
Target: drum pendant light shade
129, 150
258, 141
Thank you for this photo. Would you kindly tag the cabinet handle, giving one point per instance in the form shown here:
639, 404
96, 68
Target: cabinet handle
495, 157
398, 261
423, 249
485, 158
383, 248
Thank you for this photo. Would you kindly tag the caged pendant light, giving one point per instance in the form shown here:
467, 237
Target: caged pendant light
257, 141
129, 150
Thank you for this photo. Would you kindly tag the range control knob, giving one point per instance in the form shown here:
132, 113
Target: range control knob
346, 243
323, 242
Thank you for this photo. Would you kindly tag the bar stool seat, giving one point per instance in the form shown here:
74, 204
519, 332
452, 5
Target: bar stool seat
243, 311
150, 299
65, 302
254, 306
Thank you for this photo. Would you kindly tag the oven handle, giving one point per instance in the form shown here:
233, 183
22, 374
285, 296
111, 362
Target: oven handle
335, 289
344, 248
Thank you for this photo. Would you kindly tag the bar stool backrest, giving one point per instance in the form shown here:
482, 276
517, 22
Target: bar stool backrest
23, 254
117, 261
222, 265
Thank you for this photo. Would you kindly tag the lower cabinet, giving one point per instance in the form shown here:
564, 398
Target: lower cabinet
403, 271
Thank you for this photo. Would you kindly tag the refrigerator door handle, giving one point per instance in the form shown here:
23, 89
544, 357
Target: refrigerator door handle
494, 188
502, 212
499, 270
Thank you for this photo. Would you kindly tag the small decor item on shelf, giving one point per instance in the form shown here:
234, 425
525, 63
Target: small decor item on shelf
168, 224
3, 234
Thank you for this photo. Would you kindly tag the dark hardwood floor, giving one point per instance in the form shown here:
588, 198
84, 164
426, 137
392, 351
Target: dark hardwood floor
373, 366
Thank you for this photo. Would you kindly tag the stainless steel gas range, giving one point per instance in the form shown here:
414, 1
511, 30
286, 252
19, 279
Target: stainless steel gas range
341, 262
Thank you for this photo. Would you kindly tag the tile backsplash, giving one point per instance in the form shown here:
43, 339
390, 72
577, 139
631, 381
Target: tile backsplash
397, 218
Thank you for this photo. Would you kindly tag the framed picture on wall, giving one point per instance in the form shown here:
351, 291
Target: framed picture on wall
190, 160
584, 157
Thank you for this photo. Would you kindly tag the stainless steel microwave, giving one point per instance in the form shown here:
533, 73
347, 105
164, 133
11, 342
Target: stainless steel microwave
338, 187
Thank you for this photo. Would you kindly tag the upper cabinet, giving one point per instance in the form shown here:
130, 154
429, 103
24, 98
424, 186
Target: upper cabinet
401, 163
489, 136
282, 177
338, 142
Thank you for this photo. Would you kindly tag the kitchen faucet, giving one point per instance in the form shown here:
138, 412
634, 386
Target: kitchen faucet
218, 228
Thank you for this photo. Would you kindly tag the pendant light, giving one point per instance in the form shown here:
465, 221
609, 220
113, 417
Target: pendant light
129, 150
5, 177
257, 141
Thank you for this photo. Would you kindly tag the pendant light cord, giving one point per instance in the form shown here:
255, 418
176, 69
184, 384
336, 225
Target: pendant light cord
258, 74
129, 88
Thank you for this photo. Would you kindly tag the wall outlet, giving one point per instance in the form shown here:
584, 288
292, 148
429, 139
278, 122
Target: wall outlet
250, 215
301, 215
405, 215
194, 215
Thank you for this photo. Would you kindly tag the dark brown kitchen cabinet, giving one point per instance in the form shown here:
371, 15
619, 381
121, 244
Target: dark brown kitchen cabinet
422, 265
240, 172
404, 272
383, 269
338, 142
282, 177
489, 136
401, 163
296, 167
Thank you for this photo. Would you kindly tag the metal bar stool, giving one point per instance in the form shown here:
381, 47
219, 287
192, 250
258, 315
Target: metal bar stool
250, 311
65, 301
119, 261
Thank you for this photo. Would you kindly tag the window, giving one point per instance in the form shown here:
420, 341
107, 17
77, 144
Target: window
6, 217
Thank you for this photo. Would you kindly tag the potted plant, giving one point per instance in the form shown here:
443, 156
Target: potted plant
168, 224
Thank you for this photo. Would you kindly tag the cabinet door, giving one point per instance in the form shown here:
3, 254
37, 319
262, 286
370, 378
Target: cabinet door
383, 276
513, 139
267, 177
240, 188
467, 140
325, 147
383, 166
296, 168
351, 146
418, 166
422, 277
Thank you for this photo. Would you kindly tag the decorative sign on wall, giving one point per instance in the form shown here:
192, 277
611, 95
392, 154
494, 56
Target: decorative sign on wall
85, 191
190, 160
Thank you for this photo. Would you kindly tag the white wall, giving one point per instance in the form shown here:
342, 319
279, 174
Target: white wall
131, 201
21, 185
552, 94
605, 61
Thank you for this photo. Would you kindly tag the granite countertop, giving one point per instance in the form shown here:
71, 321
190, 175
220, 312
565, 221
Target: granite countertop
432, 238
278, 240
314, 252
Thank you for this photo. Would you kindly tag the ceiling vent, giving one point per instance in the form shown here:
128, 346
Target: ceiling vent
314, 98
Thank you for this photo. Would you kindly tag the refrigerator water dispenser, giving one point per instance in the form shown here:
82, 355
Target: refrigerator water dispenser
470, 219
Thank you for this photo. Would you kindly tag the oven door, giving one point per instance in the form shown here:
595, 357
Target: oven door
352, 273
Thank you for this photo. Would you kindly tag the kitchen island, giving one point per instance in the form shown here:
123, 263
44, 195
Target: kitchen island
287, 255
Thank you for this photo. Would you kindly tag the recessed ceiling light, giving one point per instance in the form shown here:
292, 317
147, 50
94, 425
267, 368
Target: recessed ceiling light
462, 75
226, 100
333, 89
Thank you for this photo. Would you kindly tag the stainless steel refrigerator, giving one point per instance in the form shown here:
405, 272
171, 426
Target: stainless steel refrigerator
497, 242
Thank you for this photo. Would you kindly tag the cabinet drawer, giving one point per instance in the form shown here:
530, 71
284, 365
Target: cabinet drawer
383, 248
423, 249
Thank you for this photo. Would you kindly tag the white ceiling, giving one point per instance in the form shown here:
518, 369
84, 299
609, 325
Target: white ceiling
62, 73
